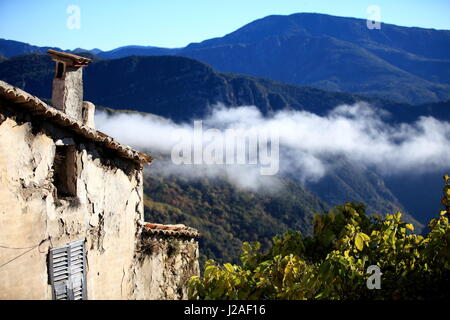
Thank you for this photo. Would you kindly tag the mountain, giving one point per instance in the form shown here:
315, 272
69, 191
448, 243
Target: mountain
182, 88
11, 48
353, 181
336, 53
225, 214
402, 64
94, 51
135, 51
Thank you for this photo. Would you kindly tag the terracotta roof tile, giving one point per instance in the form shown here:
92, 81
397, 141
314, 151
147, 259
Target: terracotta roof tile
170, 230
35, 106
71, 59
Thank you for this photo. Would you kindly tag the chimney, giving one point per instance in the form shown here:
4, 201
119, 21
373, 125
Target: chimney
88, 114
67, 90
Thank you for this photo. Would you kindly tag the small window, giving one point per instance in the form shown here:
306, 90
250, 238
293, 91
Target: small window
67, 271
59, 70
65, 171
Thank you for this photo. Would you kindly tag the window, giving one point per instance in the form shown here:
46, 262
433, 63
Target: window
67, 268
59, 70
65, 171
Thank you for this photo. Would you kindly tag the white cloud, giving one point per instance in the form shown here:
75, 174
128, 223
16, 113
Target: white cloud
307, 141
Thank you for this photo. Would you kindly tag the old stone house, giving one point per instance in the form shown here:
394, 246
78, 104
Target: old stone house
71, 204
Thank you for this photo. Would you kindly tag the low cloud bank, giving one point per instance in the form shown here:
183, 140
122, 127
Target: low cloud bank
308, 143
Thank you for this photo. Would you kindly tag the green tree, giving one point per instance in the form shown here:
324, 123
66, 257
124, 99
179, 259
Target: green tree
333, 262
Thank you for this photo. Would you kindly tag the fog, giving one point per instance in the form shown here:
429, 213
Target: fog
308, 143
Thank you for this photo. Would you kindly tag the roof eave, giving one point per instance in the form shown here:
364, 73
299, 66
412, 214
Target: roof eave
38, 107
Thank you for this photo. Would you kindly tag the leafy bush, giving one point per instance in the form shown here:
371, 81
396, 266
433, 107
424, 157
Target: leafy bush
333, 262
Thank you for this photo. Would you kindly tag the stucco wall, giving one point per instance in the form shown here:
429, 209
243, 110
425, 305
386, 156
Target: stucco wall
107, 211
165, 264
67, 93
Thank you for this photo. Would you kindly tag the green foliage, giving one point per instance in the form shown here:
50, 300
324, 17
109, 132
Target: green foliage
333, 262
446, 199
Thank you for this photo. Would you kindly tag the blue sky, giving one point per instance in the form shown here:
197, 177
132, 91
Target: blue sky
175, 23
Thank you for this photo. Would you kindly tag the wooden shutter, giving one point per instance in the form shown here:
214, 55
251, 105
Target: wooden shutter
67, 268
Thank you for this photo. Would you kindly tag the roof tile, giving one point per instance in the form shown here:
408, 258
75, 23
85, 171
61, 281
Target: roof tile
36, 106
72, 59
170, 230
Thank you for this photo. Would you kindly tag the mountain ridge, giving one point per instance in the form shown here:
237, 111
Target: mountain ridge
403, 64
336, 54
160, 84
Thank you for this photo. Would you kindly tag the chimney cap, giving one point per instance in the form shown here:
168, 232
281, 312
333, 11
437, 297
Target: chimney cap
70, 59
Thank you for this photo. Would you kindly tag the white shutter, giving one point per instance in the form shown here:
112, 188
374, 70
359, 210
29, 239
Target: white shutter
67, 267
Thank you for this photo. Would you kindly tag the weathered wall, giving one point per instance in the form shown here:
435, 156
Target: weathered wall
165, 266
88, 112
107, 211
67, 92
